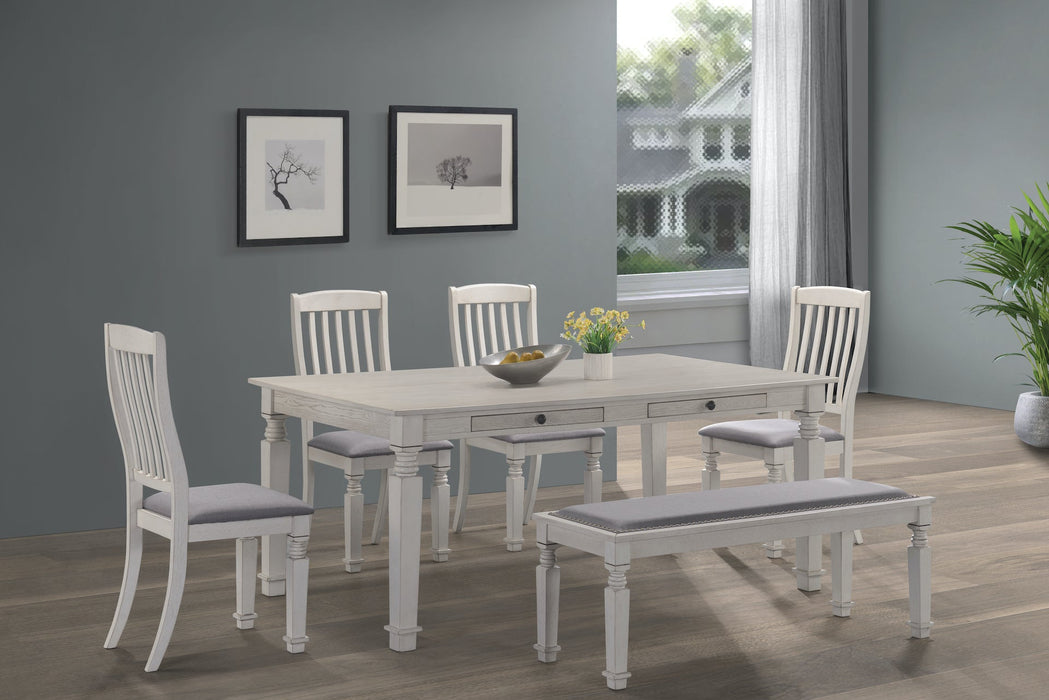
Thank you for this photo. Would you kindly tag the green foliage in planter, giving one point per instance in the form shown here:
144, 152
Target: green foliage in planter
1017, 265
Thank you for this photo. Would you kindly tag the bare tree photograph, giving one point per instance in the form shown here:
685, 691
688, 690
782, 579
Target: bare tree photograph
453, 170
294, 174
442, 154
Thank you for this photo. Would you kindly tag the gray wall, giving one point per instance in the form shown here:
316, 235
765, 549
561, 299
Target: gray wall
957, 131
120, 205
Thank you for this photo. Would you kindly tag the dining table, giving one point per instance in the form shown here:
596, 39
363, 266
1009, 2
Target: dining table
412, 406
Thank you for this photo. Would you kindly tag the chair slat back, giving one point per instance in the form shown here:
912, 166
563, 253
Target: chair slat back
324, 324
828, 335
488, 318
136, 372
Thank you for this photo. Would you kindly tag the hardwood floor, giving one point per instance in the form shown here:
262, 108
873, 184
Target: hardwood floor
718, 624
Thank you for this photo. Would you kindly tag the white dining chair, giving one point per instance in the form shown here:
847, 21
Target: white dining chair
828, 336
339, 331
485, 319
136, 371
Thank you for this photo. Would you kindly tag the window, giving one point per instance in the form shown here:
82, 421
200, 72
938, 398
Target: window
741, 141
712, 142
683, 108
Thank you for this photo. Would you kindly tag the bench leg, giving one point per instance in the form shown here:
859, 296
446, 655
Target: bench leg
919, 573
547, 601
775, 458
841, 572
298, 568
617, 626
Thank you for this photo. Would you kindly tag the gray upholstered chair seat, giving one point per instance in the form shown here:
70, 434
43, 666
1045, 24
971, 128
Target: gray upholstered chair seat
350, 443
764, 432
225, 503
548, 437
697, 507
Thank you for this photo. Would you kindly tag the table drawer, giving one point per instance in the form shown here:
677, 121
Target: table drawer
694, 407
534, 419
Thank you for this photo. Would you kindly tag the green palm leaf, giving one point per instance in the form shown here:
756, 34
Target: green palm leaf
1014, 278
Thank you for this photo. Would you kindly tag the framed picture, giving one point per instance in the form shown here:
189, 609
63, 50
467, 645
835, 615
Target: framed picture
452, 169
291, 176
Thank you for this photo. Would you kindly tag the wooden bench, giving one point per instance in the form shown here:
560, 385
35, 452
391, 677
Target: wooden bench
687, 522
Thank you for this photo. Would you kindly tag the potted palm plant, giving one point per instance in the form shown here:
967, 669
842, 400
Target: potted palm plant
1013, 281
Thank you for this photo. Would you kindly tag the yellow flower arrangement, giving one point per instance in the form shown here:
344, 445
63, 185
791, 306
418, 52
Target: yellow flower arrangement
600, 330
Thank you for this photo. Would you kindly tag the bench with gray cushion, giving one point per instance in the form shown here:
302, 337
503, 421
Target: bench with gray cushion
687, 522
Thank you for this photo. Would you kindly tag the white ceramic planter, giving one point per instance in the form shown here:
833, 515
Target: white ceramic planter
1031, 422
597, 365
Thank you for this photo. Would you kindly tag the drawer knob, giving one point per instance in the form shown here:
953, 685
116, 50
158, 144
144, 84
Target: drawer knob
541, 419
711, 405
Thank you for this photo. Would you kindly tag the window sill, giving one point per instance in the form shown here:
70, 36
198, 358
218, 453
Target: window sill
680, 290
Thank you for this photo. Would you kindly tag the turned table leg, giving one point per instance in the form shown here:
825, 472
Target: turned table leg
809, 451
276, 469
406, 502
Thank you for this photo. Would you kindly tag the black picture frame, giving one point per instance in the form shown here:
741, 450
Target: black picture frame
431, 148
319, 209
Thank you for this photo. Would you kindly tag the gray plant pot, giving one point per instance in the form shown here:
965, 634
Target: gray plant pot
1032, 419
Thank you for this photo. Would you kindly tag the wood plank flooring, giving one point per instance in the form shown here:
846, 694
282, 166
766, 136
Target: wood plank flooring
719, 624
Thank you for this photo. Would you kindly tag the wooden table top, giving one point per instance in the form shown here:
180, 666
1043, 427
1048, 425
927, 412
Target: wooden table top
462, 389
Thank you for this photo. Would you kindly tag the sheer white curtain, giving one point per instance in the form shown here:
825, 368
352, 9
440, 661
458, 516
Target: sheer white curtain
799, 208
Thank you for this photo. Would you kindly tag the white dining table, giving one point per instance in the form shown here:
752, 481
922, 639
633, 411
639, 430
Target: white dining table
413, 406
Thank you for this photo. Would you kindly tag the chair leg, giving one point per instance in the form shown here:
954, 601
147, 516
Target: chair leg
176, 584
533, 486
247, 567
132, 564
711, 477
845, 471
298, 568
380, 507
439, 506
307, 477
514, 503
774, 462
464, 486
593, 475
353, 519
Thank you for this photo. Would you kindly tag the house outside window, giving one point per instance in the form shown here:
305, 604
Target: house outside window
683, 116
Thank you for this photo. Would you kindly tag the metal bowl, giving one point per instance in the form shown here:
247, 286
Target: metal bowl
529, 371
